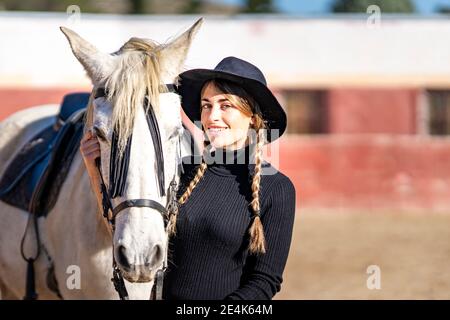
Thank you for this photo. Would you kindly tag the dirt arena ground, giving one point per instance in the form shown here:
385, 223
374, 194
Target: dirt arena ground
331, 252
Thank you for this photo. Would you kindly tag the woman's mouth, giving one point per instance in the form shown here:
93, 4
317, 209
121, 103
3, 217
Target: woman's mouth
214, 131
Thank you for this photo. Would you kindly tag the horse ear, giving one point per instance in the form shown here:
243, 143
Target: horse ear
175, 52
94, 61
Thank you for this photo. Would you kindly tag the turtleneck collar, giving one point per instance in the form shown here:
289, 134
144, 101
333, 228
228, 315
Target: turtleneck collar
231, 162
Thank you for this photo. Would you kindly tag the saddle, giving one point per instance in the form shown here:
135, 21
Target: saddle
33, 179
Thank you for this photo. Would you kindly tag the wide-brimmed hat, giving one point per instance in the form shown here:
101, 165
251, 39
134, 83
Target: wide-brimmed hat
242, 73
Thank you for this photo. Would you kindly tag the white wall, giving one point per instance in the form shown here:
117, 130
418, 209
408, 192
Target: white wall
292, 52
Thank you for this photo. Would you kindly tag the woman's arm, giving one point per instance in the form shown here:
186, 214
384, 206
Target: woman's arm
90, 150
263, 273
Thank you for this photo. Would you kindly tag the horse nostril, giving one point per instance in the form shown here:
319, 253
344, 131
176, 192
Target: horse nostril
122, 259
156, 256
158, 253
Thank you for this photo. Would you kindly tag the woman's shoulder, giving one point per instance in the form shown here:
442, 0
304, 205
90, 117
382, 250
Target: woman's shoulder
277, 179
278, 194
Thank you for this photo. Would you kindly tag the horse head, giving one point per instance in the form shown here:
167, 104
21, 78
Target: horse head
137, 120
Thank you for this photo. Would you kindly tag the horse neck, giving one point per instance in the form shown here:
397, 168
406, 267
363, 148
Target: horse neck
92, 217
76, 217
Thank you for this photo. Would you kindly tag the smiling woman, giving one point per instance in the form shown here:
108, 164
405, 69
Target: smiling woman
232, 232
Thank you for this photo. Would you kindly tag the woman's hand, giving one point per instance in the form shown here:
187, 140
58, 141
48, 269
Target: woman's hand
90, 150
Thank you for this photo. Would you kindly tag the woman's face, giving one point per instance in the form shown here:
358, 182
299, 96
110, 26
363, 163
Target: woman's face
225, 125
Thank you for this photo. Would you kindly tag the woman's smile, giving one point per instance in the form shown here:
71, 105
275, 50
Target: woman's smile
225, 125
214, 131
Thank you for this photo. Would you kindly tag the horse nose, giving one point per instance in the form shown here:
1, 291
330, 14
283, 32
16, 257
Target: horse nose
156, 256
152, 260
122, 258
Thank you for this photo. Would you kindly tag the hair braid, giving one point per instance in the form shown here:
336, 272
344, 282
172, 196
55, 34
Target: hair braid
173, 217
256, 231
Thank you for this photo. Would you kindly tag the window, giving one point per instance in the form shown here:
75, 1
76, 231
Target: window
306, 111
439, 112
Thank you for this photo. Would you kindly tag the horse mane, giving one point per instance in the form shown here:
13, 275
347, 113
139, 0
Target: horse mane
137, 74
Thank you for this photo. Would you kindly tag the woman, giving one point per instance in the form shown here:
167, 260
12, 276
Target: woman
232, 232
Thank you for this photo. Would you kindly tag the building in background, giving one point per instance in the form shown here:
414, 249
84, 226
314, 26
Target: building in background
368, 105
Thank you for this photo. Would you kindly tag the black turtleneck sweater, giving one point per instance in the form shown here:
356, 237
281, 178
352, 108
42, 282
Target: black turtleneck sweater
208, 257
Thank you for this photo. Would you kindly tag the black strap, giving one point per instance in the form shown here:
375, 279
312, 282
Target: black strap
30, 285
141, 203
30, 291
172, 87
118, 166
118, 282
156, 293
157, 144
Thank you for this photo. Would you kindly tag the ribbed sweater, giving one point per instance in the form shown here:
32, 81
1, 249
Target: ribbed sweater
208, 256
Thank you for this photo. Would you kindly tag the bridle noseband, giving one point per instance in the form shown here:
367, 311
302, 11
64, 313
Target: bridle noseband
117, 177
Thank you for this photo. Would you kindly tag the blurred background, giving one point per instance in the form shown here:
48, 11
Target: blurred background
366, 86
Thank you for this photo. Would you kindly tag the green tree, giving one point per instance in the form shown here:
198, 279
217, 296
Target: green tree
258, 6
193, 6
137, 6
388, 6
47, 5
443, 10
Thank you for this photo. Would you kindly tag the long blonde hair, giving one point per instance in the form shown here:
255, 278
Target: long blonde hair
136, 76
246, 104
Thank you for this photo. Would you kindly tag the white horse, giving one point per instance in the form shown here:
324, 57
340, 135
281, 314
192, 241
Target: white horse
75, 237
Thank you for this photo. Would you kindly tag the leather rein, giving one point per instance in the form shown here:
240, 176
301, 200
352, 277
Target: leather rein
118, 173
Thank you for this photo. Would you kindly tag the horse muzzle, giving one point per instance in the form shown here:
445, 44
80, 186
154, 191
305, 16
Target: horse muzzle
140, 268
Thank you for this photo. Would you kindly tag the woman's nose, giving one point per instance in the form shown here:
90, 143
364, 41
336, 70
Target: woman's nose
215, 113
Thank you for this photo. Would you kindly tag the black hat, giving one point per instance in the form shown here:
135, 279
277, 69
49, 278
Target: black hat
242, 73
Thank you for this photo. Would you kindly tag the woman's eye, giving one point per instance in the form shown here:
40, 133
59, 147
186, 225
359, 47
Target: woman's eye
206, 106
226, 106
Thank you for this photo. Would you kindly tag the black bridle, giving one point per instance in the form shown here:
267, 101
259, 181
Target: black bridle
117, 181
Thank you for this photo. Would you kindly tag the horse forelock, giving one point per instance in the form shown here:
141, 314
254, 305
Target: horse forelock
137, 73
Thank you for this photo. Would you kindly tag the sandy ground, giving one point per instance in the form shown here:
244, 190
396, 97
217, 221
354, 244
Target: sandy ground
331, 252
